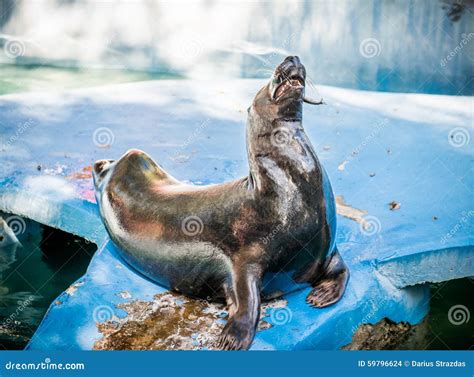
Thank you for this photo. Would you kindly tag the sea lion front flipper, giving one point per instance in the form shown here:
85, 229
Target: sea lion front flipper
239, 330
330, 287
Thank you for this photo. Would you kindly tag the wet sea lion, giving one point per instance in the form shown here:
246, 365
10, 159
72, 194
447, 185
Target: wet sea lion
236, 240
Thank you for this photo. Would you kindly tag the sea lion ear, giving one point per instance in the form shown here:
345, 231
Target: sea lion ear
248, 109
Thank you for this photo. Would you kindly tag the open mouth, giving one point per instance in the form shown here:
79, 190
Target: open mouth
287, 83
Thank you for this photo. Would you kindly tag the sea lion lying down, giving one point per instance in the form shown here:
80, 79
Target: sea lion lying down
232, 241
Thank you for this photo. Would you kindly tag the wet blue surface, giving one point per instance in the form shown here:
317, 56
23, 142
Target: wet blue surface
376, 147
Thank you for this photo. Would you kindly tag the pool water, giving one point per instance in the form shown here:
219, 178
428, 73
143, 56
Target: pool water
33, 275
450, 331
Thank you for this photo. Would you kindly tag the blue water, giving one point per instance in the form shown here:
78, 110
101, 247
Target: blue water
33, 275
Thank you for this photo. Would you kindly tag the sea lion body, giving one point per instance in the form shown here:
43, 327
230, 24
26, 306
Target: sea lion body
269, 232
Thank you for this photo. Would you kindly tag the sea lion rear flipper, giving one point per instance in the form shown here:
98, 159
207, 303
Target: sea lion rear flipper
240, 329
331, 286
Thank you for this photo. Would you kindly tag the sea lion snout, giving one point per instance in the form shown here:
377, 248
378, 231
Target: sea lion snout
100, 169
101, 165
292, 66
288, 79
281, 98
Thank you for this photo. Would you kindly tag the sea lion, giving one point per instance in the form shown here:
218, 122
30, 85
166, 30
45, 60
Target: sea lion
233, 241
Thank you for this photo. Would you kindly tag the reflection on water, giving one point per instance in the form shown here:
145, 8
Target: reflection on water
33, 274
391, 45
449, 322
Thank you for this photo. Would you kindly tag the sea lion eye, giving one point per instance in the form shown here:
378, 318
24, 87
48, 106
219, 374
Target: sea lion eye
248, 110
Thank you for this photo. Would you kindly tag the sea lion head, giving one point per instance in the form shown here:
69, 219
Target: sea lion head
283, 96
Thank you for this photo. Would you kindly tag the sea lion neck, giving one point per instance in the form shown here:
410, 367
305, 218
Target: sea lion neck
279, 153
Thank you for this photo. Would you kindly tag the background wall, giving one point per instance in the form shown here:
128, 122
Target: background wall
391, 45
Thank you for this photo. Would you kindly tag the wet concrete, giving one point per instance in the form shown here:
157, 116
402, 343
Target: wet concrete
389, 335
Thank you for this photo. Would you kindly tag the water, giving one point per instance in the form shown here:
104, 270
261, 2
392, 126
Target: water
33, 275
446, 329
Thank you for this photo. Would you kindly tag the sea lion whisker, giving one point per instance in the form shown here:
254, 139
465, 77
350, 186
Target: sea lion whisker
310, 100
